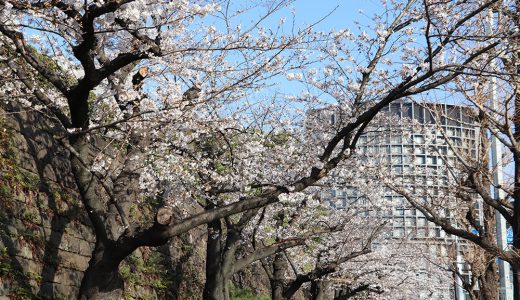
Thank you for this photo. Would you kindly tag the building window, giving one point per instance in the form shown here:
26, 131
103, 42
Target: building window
397, 150
398, 232
418, 139
420, 160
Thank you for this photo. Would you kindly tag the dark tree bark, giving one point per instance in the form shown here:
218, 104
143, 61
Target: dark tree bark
351, 292
278, 280
222, 261
215, 282
516, 196
516, 280
489, 286
319, 290
489, 281
515, 266
102, 279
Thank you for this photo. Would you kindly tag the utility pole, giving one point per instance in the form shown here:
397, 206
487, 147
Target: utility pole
506, 287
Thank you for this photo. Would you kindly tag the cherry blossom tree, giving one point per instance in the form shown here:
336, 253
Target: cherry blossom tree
139, 90
267, 236
298, 220
402, 269
329, 238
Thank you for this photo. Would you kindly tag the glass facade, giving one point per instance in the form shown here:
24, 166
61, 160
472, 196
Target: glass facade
416, 142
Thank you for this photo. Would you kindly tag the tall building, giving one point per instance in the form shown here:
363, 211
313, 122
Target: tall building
411, 142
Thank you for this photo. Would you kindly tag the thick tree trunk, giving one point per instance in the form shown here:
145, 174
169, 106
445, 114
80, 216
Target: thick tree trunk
516, 228
220, 258
489, 280
516, 207
226, 289
215, 287
102, 280
215, 282
277, 283
319, 290
228, 259
516, 191
489, 288
516, 280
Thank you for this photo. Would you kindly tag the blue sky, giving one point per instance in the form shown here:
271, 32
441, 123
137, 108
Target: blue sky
338, 14
334, 15
343, 12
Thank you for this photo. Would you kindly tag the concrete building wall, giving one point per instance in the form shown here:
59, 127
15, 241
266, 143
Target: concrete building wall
411, 143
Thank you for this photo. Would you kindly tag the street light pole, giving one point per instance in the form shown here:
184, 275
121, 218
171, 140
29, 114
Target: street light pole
506, 288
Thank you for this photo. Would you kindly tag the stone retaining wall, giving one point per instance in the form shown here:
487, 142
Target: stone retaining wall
46, 238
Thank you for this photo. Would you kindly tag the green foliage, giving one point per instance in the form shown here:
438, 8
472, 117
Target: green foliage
128, 275
5, 266
201, 200
11, 174
5, 191
51, 65
17, 183
34, 237
277, 139
21, 178
16, 276
20, 292
308, 267
222, 169
35, 276
92, 97
149, 271
236, 293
